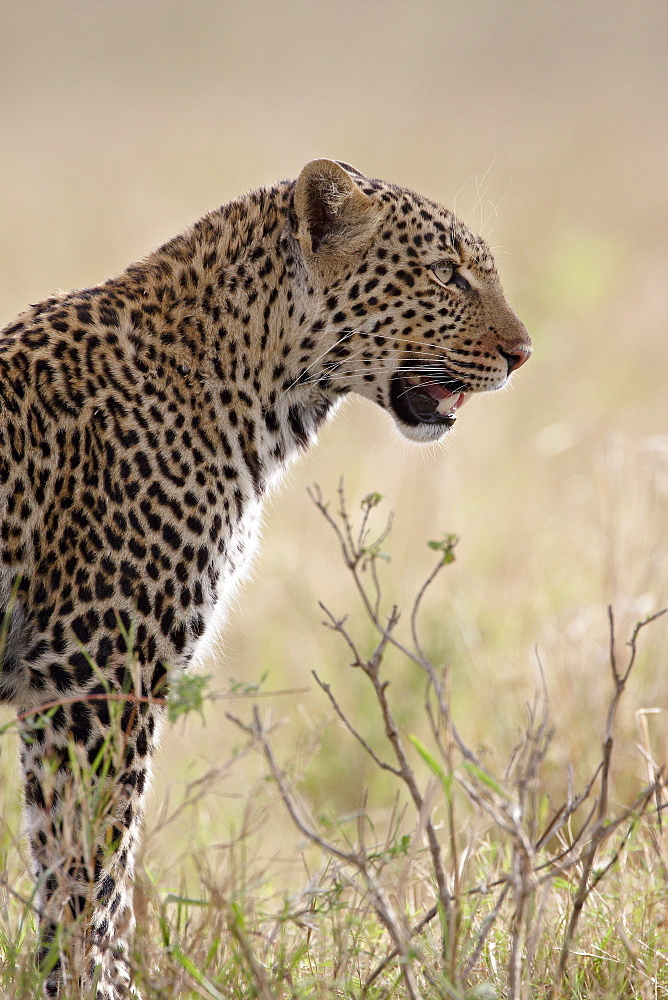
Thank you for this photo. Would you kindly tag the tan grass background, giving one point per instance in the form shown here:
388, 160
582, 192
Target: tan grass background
545, 125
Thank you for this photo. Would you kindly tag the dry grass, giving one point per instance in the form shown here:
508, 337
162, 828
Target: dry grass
474, 881
122, 124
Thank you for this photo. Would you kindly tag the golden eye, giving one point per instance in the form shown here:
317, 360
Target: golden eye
444, 273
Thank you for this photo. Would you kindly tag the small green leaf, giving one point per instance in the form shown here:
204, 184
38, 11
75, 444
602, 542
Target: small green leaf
434, 766
199, 977
184, 900
401, 849
371, 500
237, 915
186, 694
245, 687
484, 778
446, 545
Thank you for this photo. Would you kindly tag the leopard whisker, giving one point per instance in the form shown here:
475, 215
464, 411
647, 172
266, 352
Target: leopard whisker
439, 348
345, 336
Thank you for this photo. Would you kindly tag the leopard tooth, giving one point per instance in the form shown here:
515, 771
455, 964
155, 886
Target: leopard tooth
447, 403
413, 379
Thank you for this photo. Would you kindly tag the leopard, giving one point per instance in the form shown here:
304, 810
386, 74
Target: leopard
142, 422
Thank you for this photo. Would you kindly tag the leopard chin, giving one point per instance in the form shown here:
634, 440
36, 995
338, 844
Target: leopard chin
425, 409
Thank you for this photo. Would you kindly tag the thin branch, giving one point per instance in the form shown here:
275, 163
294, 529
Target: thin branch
351, 729
603, 825
485, 928
405, 948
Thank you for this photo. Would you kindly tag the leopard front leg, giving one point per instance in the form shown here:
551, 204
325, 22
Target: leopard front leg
86, 770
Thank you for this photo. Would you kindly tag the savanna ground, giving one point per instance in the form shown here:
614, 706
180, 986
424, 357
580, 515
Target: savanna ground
546, 124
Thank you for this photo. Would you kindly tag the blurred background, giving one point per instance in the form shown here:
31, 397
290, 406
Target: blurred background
544, 126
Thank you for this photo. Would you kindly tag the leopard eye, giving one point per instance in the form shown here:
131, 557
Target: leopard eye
444, 273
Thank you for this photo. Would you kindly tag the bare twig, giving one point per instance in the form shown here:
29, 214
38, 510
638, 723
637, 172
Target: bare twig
351, 729
603, 825
405, 947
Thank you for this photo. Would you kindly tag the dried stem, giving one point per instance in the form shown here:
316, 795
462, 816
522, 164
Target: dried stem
603, 826
405, 948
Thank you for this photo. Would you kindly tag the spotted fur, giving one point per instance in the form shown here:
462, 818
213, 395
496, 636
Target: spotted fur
141, 422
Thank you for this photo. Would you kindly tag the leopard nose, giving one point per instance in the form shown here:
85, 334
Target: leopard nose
517, 356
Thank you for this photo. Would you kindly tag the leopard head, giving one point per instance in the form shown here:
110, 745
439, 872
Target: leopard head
408, 300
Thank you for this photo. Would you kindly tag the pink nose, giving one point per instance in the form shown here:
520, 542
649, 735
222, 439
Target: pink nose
516, 357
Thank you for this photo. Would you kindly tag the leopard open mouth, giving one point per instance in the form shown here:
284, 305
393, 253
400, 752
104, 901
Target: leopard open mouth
422, 399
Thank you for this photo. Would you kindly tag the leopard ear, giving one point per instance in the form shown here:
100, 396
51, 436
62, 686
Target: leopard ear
334, 216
